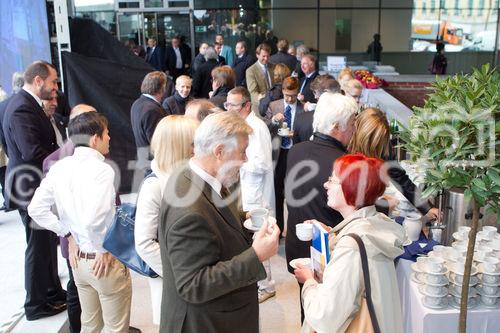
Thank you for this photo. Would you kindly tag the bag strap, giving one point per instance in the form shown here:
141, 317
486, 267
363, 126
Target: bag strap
366, 277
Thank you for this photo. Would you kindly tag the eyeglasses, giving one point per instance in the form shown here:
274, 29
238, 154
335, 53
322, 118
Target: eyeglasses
227, 105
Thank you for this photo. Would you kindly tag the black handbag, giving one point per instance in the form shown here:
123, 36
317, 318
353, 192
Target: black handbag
120, 240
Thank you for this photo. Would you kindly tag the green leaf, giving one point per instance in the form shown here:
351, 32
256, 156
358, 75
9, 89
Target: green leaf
494, 176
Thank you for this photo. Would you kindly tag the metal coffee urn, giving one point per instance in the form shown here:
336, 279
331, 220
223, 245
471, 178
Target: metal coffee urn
457, 213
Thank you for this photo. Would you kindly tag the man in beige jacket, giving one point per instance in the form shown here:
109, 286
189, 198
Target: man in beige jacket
259, 76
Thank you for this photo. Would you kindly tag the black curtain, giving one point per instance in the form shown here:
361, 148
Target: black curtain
102, 72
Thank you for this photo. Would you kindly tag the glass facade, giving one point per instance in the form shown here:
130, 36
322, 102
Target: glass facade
325, 26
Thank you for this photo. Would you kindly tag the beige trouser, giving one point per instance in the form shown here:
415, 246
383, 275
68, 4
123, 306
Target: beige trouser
106, 301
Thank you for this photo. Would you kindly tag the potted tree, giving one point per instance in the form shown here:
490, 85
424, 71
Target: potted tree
455, 136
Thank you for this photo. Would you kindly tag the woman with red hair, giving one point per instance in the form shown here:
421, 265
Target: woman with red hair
331, 305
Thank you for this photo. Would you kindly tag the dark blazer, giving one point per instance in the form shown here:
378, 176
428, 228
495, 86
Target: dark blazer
145, 115
3, 108
273, 94
307, 92
322, 150
30, 138
240, 67
202, 80
175, 104
284, 58
220, 96
156, 58
210, 269
171, 58
276, 107
221, 61
303, 127
197, 62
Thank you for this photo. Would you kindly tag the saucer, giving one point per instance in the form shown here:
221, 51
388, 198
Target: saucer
473, 280
480, 292
413, 277
458, 237
481, 270
423, 292
494, 306
285, 135
417, 269
471, 304
473, 271
472, 292
248, 224
303, 261
435, 307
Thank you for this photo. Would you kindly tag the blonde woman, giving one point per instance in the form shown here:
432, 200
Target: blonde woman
353, 88
171, 144
371, 138
345, 75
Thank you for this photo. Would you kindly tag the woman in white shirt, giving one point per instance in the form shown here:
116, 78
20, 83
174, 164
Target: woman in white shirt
331, 305
171, 144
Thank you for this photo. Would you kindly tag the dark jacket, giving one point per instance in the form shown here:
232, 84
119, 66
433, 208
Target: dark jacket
322, 150
210, 270
220, 96
171, 58
374, 50
30, 138
439, 64
202, 80
175, 104
197, 62
3, 108
272, 95
240, 66
284, 58
145, 115
156, 58
303, 127
306, 91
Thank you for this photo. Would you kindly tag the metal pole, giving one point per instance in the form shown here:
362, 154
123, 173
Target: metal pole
495, 53
62, 30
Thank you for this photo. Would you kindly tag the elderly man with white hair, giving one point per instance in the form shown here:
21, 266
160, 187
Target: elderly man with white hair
309, 166
210, 264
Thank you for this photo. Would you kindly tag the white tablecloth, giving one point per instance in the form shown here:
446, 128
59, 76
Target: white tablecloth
419, 319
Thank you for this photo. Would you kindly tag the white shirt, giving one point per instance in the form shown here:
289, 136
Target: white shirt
178, 61
151, 97
209, 179
59, 138
265, 69
81, 187
304, 83
37, 99
256, 175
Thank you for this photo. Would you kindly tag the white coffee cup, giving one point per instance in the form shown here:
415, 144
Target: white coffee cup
491, 279
494, 244
481, 255
489, 300
490, 290
464, 231
258, 216
491, 265
491, 230
432, 278
485, 235
459, 248
439, 251
434, 264
304, 231
434, 301
413, 226
434, 290
283, 131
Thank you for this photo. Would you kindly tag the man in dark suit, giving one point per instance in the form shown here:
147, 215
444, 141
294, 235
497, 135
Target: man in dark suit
281, 111
308, 65
303, 128
176, 59
30, 138
145, 114
210, 264
282, 56
154, 54
242, 62
199, 59
333, 128
202, 79
221, 60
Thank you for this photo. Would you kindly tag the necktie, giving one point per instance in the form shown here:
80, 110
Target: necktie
59, 138
303, 85
266, 74
286, 142
224, 192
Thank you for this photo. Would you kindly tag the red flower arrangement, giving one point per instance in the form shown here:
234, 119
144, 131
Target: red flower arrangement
368, 80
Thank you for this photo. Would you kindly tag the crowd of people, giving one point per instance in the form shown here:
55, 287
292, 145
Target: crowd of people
217, 139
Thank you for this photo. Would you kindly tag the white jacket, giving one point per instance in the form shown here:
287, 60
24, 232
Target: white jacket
147, 218
331, 305
256, 175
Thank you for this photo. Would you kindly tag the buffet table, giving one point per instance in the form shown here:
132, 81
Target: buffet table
419, 319
393, 108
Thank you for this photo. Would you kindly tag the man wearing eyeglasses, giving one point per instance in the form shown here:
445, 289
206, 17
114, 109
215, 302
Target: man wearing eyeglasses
256, 175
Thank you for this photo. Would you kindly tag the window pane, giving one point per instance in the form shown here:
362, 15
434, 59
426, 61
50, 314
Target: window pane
305, 22
349, 3
395, 29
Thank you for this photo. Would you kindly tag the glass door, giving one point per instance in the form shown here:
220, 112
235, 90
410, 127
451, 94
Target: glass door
130, 27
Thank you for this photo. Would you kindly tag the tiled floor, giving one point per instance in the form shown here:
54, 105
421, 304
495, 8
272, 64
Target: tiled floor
278, 314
